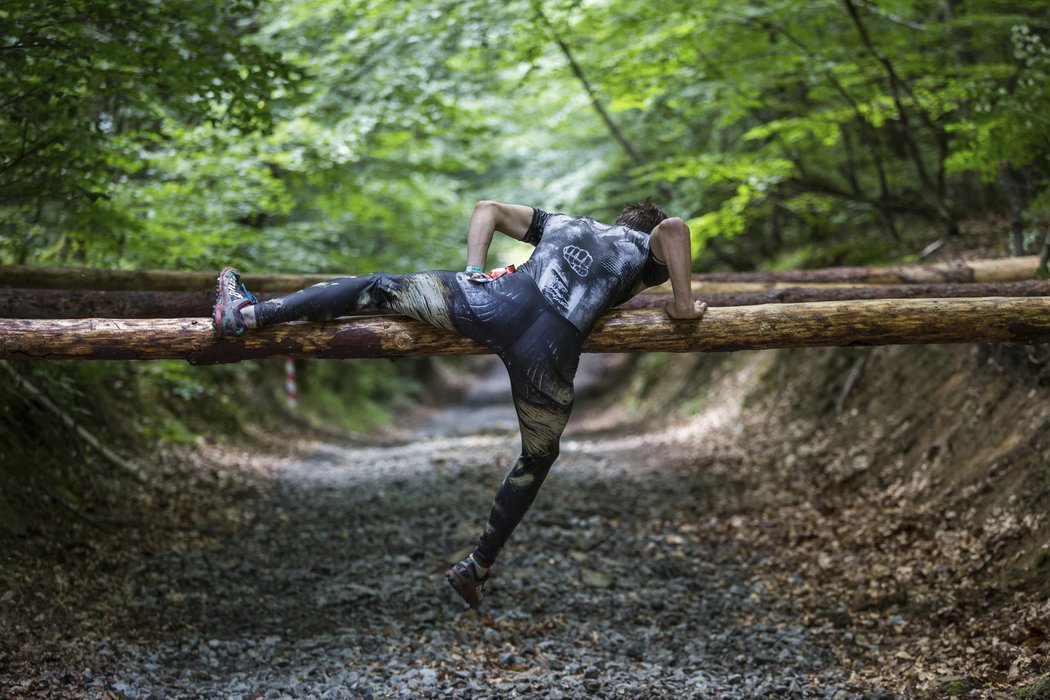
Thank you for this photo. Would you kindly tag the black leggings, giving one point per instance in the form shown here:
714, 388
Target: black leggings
538, 346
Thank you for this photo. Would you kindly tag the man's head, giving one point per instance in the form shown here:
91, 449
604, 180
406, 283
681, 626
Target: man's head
641, 216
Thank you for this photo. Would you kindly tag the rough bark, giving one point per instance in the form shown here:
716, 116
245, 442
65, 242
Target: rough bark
59, 303
880, 322
156, 280
996, 270
794, 295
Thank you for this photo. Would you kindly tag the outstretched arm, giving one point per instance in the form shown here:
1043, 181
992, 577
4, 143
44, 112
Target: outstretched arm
670, 243
489, 217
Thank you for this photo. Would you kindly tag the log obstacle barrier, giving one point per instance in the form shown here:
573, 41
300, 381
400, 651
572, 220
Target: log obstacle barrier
795, 295
995, 270
828, 323
61, 303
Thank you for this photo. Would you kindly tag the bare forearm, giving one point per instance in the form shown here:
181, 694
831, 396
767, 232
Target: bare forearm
479, 235
671, 243
679, 270
489, 217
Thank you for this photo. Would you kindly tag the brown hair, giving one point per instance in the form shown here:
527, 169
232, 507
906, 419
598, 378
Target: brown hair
641, 216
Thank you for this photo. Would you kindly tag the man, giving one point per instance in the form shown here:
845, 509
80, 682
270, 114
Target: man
535, 319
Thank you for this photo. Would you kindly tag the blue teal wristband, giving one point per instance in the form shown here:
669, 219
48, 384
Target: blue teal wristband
471, 269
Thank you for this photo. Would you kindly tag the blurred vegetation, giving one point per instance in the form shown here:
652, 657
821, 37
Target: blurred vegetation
352, 135
345, 135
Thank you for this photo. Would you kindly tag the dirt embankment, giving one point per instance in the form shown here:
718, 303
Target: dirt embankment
899, 493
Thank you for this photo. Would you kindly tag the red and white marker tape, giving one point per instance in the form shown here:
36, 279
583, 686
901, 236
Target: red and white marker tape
289, 382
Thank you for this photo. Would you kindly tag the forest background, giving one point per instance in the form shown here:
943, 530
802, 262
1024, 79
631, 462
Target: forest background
348, 136
345, 136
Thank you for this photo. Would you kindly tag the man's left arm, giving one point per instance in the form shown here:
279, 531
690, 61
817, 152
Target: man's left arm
670, 243
488, 217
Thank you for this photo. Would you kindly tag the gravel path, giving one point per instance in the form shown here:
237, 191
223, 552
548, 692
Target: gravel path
332, 587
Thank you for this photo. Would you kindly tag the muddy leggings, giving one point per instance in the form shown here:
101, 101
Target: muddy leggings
538, 346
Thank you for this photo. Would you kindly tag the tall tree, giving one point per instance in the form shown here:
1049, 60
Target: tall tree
88, 84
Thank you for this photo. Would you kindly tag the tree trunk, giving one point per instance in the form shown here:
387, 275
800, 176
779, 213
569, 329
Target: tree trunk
577, 71
1013, 194
1044, 257
983, 320
898, 87
59, 303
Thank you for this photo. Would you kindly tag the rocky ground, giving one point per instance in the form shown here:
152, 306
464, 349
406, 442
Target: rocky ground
318, 573
650, 566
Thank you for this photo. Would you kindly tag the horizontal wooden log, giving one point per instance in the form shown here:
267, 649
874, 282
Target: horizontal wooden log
90, 303
157, 280
995, 270
908, 321
998, 270
61, 303
794, 295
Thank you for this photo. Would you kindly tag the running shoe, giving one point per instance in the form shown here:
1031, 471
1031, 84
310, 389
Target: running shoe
230, 297
464, 578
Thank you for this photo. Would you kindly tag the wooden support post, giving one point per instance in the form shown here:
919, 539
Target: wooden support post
881, 322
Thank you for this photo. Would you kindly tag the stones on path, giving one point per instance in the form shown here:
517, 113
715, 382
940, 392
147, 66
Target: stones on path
334, 589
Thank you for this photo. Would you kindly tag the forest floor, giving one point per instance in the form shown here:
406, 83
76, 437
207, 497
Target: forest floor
736, 550
317, 572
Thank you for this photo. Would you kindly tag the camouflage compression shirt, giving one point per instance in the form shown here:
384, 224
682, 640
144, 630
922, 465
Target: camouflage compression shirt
583, 267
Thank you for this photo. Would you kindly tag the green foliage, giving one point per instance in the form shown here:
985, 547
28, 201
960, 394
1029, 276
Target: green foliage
325, 135
89, 84
1009, 105
355, 395
1039, 690
887, 122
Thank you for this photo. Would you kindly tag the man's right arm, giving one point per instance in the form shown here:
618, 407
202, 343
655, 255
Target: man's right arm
488, 217
670, 243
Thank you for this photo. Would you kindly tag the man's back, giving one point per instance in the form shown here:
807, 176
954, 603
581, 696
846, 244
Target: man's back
583, 267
